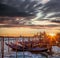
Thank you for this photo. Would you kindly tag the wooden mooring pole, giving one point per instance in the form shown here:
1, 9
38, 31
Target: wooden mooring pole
16, 47
23, 47
2, 47
8, 46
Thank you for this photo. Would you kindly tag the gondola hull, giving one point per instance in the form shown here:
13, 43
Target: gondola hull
22, 48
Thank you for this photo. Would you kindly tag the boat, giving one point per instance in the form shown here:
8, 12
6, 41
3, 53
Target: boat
26, 43
20, 47
38, 49
16, 47
32, 44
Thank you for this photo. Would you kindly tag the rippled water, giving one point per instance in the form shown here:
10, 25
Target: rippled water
12, 54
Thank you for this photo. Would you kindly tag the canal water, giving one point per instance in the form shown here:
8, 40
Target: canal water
8, 53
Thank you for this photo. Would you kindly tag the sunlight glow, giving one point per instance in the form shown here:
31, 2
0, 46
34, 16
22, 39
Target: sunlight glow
52, 34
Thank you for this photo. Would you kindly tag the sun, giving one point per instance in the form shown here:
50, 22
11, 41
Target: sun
52, 34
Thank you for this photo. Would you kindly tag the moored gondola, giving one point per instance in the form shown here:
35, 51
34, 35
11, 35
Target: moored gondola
20, 47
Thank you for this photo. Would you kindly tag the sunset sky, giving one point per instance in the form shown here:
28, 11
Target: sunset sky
24, 31
44, 15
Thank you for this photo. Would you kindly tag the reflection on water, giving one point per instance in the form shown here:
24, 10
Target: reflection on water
12, 54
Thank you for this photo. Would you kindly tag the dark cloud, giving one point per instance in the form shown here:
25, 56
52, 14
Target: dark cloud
53, 6
30, 7
6, 10
28, 10
56, 21
14, 20
19, 7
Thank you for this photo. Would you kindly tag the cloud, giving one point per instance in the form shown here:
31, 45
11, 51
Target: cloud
53, 6
44, 1
47, 8
22, 7
45, 22
6, 10
56, 20
32, 12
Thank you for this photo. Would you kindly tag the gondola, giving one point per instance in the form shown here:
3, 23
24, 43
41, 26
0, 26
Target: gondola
16, 47
20, 47
38, 49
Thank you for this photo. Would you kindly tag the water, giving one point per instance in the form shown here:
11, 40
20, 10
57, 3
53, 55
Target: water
12, 54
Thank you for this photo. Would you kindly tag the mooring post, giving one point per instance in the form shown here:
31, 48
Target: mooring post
23, 48
16, 47
2, 47
8, 43
30, 46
